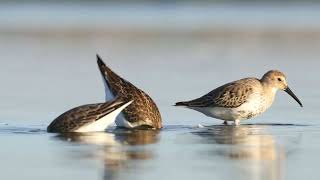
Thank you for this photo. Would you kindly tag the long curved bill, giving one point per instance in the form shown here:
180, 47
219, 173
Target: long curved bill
288, 90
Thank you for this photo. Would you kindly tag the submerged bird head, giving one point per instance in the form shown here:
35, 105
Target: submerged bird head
277, 80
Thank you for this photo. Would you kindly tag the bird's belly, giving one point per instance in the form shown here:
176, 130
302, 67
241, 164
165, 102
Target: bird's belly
122, 122
220, 113
245, 111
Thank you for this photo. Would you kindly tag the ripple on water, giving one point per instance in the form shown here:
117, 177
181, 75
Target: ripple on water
6, 128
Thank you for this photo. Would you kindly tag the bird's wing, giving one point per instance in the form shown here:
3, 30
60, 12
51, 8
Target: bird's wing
82, 115
230, 95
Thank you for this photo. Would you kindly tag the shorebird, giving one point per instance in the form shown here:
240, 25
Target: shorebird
242, 99
89, 118
143, 112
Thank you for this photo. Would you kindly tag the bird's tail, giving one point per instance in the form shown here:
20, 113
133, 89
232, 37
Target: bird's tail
104, 69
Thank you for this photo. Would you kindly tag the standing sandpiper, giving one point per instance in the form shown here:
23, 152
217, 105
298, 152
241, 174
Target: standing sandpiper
89, 118
143, 112
242, 99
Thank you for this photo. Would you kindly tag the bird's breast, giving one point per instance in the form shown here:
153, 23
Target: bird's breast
254, 106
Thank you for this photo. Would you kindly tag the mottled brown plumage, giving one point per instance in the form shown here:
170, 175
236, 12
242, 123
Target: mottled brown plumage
230, 95
78, 117
143, 111
241, 99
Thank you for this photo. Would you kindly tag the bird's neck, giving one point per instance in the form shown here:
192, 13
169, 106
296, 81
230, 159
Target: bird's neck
270, 92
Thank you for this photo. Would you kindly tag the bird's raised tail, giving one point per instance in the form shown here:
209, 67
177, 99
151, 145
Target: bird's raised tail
104, 69
110, 79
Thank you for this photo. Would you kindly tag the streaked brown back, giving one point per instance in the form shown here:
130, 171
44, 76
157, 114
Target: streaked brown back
230, 95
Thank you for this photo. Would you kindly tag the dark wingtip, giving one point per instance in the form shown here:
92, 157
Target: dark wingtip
180, 104
102, 66
100, 61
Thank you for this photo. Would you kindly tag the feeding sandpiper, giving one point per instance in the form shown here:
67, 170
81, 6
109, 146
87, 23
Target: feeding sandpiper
242, 99
89, 118
143, 112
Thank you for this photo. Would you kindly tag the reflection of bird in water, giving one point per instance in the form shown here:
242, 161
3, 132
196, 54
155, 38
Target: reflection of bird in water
118, 148
263, 158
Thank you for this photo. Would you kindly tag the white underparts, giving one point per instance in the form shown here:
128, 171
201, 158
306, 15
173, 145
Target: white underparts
104, 122
255, 105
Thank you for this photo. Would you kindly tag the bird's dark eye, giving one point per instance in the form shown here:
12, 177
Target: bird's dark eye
279, 79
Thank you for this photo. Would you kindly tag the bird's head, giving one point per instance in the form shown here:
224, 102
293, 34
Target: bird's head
278, 81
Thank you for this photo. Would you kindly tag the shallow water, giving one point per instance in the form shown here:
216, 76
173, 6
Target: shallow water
257, 151
45, 73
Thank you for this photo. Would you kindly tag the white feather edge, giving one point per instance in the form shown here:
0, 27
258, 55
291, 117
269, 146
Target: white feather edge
103, 123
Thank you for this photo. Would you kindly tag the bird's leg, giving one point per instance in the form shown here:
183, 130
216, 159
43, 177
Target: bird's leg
225, 122
237, 122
